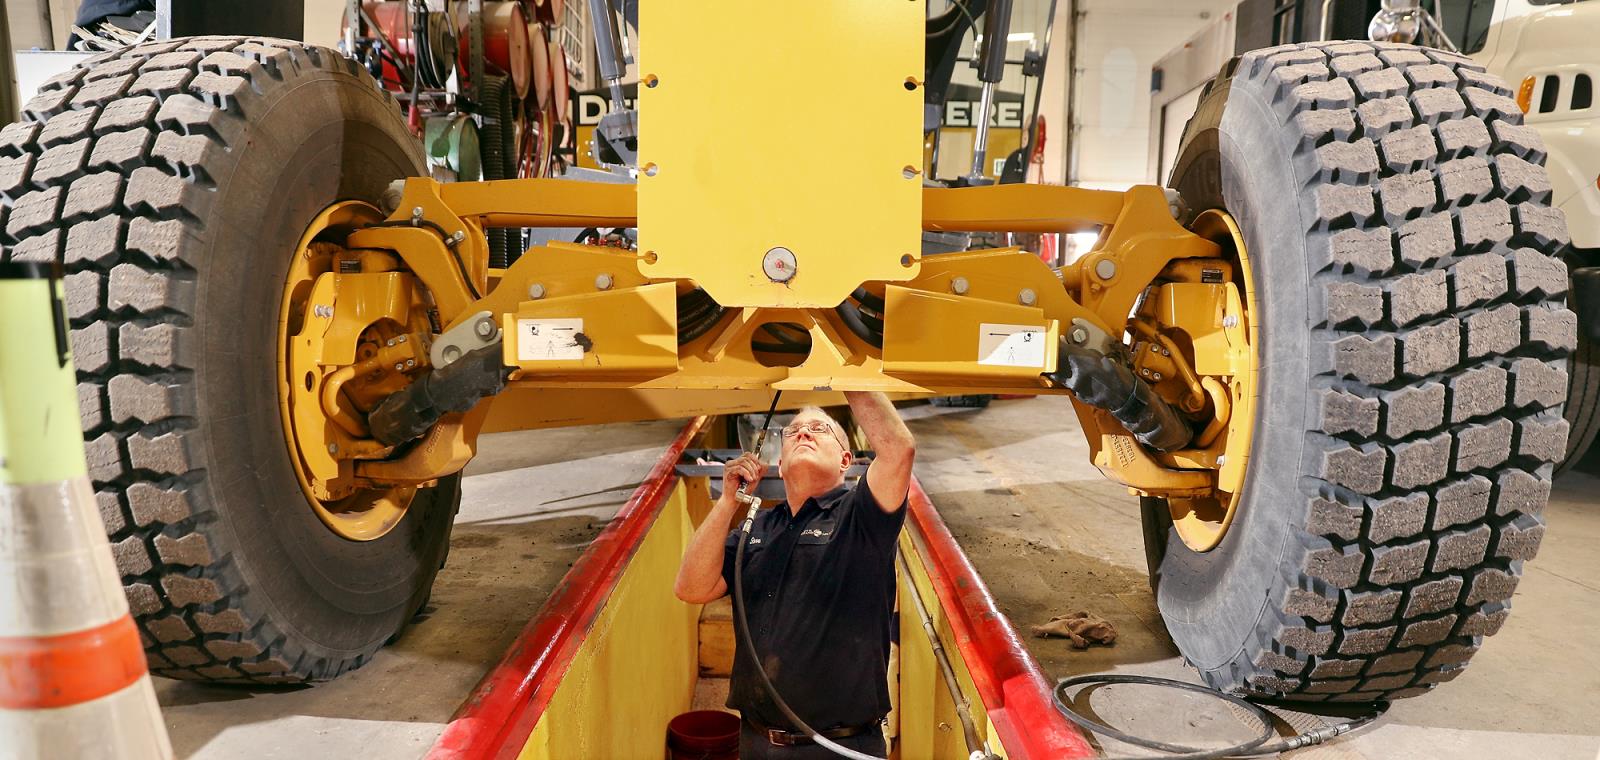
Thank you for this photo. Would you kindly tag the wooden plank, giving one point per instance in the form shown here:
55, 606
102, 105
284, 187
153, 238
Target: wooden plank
716, 639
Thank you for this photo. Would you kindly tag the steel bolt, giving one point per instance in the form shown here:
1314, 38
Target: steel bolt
603, 282
959, 286
1155, 376
1105, 269
389, 342
333, 448
780, 264
400, 339
416, 212
1027, 297
460, 235
1079, 335
1155, 349
536, 291
411, 363
1165, 352
398, 367
485, 328
1230, 321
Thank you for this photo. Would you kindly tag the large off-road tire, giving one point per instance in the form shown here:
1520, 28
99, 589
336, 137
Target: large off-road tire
1412, 351
174, 180
1583, 404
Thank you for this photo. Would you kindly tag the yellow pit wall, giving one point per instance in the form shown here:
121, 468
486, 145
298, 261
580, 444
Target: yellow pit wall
638, 664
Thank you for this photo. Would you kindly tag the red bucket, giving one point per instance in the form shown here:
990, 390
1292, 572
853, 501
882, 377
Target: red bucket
704, 735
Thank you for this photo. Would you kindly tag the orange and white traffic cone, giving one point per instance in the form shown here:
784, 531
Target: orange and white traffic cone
73, 682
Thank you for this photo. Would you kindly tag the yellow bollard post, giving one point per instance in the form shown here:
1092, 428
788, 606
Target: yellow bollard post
73, 679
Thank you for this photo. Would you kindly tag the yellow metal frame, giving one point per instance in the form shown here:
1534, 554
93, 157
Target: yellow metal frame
743, 180
433, 243
346, 339
632, 367
1224, 357
728, 203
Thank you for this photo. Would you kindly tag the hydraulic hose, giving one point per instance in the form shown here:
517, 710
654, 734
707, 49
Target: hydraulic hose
975, 748
741, 622
851, 315
697, 314
867, 299
1106, 382
1254, 747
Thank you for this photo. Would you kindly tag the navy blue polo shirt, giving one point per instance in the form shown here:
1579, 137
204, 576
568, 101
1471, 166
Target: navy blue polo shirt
820, 588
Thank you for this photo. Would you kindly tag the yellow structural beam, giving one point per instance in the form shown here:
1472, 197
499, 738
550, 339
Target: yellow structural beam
755, 175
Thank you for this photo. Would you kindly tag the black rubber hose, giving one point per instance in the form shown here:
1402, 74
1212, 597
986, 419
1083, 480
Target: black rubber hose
694, 297
1105, 382
700, 328
1253, 748
868, 300
786, 335
408, 413
497, 148
697, 313
693, 311
851, 317
875, 324
780, 348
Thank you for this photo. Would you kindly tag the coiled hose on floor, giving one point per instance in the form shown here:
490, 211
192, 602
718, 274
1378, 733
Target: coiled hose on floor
1253, 748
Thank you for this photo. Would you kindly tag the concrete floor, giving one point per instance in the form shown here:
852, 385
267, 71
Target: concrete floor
1047, 532
1050, 535
528, 509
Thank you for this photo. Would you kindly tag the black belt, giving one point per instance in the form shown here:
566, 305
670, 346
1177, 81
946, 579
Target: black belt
782, 738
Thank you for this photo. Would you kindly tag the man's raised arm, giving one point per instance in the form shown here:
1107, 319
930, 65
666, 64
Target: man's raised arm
893, 448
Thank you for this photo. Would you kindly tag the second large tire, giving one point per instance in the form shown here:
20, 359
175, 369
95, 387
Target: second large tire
1583, 404
174, 180
1412, 350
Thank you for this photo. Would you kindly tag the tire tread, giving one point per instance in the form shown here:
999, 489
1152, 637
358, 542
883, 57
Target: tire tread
1439, 264
109, 173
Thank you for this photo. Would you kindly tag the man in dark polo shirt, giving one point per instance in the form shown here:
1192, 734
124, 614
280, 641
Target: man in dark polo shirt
819, 581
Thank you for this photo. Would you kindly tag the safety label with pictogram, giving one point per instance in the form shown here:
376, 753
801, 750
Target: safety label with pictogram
1011, 345
549, 340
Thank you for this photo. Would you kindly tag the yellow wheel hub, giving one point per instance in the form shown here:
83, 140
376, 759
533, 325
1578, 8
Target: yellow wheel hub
1197, 344
351, 330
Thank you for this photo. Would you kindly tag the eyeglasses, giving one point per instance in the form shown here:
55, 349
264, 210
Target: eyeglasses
814, 428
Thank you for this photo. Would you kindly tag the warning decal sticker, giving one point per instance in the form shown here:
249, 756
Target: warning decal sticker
549, 340
1011, 345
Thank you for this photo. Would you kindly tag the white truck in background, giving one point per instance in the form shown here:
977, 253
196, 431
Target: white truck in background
1548, 53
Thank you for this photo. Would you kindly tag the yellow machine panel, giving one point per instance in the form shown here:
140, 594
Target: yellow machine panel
750, 183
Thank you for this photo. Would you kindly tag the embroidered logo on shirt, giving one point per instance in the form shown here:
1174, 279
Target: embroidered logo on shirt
754, 540
818, 532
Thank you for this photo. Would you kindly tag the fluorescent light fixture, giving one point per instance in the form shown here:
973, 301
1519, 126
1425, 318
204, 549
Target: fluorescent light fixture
977, 40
